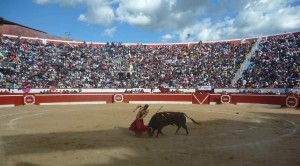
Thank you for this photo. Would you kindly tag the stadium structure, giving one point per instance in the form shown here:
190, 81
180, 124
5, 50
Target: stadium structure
68, 102
37, 67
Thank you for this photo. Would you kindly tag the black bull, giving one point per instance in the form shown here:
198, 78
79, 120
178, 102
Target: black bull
162, 119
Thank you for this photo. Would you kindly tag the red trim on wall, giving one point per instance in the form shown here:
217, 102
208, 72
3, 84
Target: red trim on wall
200, 98
110, 98
72, 98
11, 99
215, 98
157, 97
259, 99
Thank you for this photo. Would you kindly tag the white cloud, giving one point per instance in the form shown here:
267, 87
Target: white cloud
167, 37
252, 19
204, 20
158, 15
109, 32
61, 2
103, 15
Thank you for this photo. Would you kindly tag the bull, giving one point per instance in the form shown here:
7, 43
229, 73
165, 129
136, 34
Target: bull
161, 119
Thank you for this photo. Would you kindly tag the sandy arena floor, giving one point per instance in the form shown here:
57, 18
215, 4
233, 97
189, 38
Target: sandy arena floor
95, 135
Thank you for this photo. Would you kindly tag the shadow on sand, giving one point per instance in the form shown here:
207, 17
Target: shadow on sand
199, 148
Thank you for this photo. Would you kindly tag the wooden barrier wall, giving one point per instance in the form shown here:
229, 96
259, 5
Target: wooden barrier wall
9, 100
259, 99
48, 99
157, 98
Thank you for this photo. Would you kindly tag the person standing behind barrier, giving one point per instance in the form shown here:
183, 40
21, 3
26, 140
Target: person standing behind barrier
137, 126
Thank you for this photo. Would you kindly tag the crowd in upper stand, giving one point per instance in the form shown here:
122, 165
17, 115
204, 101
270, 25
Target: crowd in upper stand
30, 63
276, 64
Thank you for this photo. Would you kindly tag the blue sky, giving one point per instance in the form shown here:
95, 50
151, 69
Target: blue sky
155, 21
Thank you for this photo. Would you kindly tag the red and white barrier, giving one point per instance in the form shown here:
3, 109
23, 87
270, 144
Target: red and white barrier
150, 98
11, 100
157, 98
72, 99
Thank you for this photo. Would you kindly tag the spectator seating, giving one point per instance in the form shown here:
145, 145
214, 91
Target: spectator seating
38, 64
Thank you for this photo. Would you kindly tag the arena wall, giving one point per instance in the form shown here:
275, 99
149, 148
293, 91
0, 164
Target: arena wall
266, 100
11, 100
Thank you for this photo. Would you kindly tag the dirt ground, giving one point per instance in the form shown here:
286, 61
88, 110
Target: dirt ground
95, 135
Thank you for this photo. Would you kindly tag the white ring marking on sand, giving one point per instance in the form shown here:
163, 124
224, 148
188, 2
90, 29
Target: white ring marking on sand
296, 127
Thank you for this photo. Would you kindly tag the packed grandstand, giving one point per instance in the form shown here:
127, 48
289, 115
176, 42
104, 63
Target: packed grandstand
262, 62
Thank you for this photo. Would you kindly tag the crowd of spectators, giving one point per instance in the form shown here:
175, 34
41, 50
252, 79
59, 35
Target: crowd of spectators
34, 64
31, 63
276, 64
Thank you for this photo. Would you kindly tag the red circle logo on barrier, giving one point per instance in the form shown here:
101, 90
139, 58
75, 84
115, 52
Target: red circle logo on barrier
291, 101
225, 99
29, 99
118, 98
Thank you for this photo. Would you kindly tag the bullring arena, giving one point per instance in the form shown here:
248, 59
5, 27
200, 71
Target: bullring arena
70, 103
97, 134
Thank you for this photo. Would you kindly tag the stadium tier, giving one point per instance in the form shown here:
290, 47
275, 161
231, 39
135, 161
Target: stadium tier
268, 62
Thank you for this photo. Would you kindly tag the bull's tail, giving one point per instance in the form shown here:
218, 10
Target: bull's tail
191, 119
